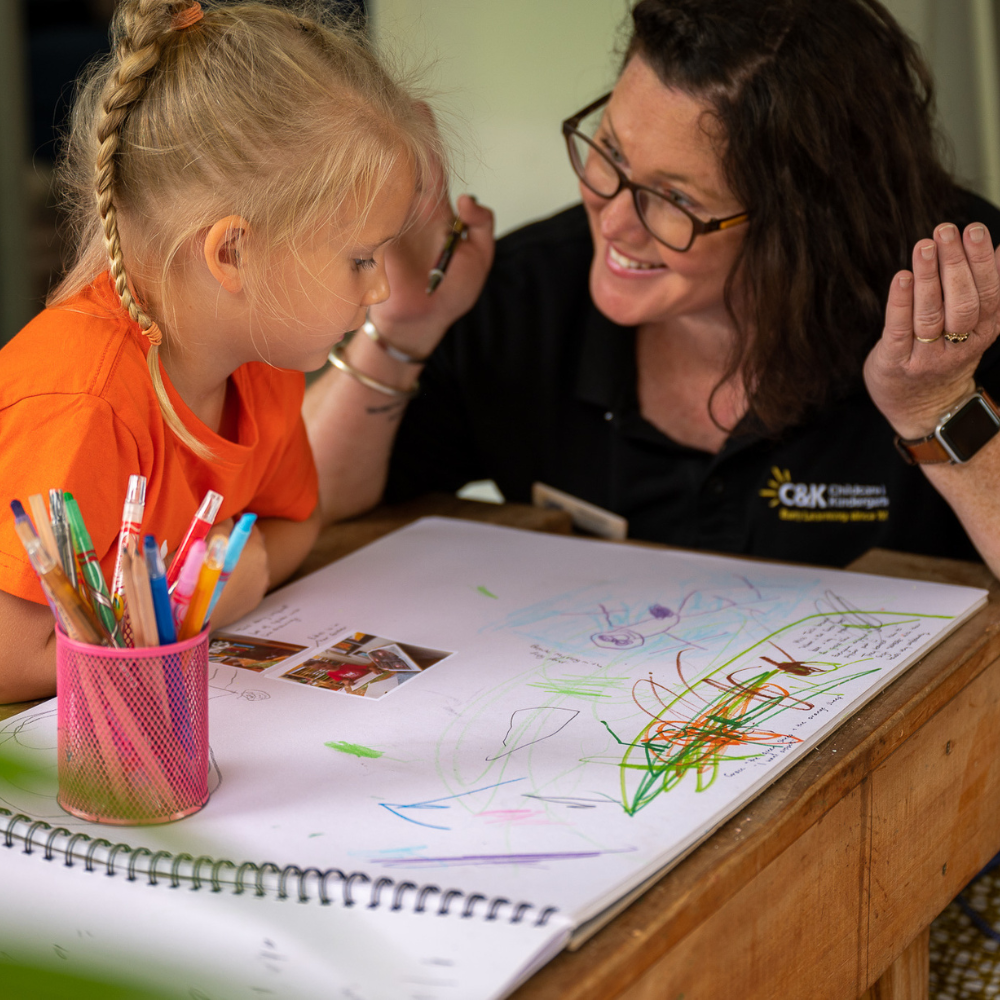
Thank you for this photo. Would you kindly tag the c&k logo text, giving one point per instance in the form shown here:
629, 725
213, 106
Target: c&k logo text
842, 503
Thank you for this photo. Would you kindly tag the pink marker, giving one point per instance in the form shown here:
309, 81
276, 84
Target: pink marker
187, 580
200, 526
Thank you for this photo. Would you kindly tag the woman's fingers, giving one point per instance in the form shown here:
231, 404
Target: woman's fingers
961, 298
478, 220
983, 265
928, 304
897, 338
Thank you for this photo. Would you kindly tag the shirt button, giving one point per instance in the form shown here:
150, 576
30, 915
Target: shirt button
715, 486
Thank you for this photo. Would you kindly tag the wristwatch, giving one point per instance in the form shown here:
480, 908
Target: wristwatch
960, 433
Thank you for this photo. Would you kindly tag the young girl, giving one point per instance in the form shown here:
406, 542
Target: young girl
235, 174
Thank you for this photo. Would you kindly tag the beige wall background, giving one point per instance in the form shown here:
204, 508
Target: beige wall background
507, 73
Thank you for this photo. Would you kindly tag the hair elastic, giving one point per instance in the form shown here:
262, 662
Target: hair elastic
153, 334
186, 17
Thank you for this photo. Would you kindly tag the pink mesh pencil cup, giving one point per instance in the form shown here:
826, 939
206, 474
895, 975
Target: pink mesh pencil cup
133, 730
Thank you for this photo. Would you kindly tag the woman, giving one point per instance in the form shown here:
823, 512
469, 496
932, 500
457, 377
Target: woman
723, 343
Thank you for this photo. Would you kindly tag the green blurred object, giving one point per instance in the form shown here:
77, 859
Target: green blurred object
27, 983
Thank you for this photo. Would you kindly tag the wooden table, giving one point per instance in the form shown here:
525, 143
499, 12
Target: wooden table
825, 886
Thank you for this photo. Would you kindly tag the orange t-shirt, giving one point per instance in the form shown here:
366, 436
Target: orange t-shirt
78, 413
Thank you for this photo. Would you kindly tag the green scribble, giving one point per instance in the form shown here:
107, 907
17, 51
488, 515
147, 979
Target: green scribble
729, 725
482, 590
581, 687
315, 834
353, 748
728, 728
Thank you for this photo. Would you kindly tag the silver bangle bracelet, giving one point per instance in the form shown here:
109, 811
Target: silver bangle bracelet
371, 331
372, 383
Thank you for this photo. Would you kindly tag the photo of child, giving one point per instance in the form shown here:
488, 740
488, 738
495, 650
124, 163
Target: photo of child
249, 652
365, 665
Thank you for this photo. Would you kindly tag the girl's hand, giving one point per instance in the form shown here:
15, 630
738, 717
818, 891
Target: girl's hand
914, 374
248, 583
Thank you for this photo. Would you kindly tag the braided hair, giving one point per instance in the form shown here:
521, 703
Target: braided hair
274, 112
141, 29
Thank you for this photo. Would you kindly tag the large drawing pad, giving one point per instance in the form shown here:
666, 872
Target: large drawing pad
581, 715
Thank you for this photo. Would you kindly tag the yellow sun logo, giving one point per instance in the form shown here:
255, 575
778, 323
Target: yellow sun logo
778, 478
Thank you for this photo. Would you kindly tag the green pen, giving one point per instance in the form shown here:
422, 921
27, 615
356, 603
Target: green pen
91, 569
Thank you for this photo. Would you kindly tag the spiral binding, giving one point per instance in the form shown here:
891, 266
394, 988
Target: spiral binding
263, 878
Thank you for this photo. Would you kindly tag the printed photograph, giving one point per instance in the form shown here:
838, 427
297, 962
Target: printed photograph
365, 665
248, 652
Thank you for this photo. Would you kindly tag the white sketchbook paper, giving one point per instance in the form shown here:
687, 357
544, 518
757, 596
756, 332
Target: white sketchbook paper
217, 946
551, 720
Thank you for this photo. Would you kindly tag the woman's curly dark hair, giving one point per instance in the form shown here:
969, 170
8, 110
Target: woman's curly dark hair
826, 111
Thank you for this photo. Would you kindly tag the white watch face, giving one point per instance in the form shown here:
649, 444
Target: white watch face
968, 429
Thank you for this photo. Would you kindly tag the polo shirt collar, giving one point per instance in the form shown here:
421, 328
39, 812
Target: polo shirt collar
606, 376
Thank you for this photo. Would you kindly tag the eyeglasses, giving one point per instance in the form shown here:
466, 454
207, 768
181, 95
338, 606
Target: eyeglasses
666, 221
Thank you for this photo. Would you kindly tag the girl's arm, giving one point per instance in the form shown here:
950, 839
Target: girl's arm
274, 550
27, 650
351, 426
287, 544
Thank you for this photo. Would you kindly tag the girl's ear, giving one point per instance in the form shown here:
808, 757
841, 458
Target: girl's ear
222, 251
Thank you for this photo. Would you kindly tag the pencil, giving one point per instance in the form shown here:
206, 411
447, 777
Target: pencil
141, 601
438, 270
43, 526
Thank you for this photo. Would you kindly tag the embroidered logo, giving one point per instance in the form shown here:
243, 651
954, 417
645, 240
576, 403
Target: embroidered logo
839, 502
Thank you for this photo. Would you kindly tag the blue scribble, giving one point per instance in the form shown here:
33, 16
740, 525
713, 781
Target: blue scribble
433, 803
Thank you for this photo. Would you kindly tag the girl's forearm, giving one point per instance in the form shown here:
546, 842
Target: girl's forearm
287, 543
27, 650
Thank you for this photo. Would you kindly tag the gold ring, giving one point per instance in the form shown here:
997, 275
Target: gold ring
928, 340
956, 338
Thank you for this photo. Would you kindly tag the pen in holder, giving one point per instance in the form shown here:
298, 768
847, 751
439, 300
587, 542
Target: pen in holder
133, 730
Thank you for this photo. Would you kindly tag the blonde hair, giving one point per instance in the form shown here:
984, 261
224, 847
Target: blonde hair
280, 116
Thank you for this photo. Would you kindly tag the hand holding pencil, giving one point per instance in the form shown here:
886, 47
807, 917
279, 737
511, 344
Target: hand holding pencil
436, 271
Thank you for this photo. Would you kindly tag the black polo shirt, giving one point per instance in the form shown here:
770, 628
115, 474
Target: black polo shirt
535, 384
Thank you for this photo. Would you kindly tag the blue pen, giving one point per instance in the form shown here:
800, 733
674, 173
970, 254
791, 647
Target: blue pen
158, 587
237, 539
173, 676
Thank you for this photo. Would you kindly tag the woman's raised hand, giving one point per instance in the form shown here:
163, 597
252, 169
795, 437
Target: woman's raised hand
915, 374
351, 425
410, 318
